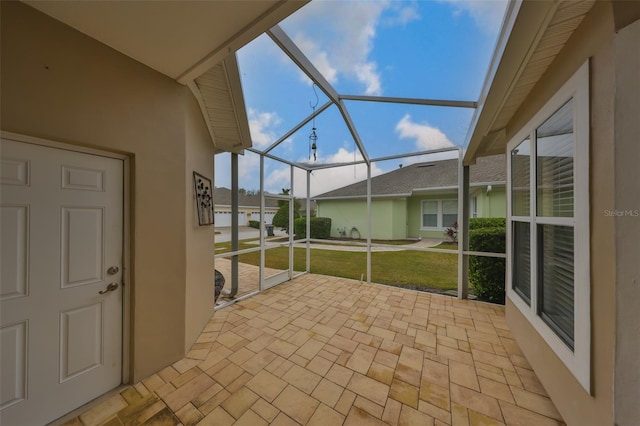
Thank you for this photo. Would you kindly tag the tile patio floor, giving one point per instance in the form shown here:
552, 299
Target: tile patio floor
330, 351
248, 281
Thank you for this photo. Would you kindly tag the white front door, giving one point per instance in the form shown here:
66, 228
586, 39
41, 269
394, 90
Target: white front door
61, 280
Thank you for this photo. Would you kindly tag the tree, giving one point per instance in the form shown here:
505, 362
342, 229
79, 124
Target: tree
281, 218
244, 191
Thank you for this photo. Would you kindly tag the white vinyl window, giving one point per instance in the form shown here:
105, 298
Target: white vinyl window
430, 214
548, 232
439, 214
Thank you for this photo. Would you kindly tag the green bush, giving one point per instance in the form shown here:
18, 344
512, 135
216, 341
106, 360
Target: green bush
487, 274
254, 224
320, 227
281, 218
487, 222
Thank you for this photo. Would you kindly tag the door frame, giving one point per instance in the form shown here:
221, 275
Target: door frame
127, 220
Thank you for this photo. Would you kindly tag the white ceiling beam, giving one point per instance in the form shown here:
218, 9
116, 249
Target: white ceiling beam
353, 131
411, 101
332, 165
415, 154
299, 126
287, 45
373, 160
282, 160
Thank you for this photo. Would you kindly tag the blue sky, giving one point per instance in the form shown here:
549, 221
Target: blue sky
417, 49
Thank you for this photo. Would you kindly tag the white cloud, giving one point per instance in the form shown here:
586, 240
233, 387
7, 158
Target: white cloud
323, 180
369, 76
338, 38
343, 155
318, 58
249, 171
487, 14
277, 180
263, 127
426, 137
403, 15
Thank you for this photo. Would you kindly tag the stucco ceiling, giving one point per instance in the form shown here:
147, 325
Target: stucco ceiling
181, 39
193, 42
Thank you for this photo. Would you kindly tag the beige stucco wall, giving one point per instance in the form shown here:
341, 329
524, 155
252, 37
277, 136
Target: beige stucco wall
627, 219
199, 280
60, 85
593, 39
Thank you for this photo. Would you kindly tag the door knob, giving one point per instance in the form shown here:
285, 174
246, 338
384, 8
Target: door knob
113, 270
110, 287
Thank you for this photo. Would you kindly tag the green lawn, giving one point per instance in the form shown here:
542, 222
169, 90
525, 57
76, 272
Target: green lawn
406, 268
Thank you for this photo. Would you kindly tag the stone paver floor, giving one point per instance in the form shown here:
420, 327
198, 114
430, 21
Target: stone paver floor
330, 351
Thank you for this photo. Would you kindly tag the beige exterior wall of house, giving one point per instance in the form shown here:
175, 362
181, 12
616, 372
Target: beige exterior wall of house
60, 85
200, 251
593, 41
627, 219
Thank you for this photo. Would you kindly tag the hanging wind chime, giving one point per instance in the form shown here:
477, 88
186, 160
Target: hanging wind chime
313, 137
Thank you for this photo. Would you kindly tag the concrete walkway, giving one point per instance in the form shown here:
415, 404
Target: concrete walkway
247, 233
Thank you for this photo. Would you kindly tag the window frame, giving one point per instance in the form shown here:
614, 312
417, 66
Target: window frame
578, 360
439, 215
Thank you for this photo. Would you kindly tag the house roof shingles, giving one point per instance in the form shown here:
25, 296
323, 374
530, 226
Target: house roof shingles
437, 174
222, 197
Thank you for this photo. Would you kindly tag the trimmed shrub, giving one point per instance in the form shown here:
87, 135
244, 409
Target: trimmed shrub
281, 218
254, 224
487, 222
300, 227
487, 274
320, 227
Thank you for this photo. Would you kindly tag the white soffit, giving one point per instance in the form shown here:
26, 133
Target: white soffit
181, 39
526, 58
219, 94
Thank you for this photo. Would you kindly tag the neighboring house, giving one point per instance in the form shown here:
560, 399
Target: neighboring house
564, 105
313, 207
106, 113
248, 208
415, 201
